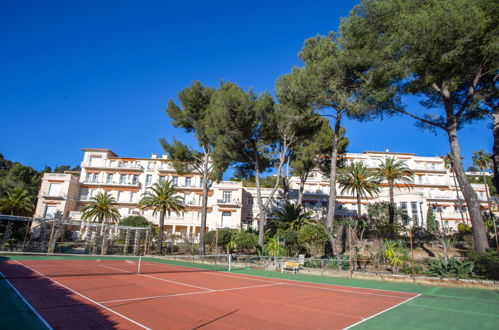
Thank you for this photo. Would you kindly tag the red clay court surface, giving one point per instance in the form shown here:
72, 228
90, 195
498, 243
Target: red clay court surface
178, 297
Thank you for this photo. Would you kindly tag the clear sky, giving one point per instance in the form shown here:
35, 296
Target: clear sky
98, 74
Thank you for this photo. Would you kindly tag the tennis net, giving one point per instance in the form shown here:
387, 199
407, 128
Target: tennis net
25, 265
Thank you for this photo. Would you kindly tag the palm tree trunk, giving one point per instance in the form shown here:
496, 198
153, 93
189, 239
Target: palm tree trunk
105, 239
391, 206
479, 234
159, 247
332, 185
359, 207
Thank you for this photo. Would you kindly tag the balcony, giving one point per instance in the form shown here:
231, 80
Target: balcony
135, 184
227, 202
115, 165
58, 196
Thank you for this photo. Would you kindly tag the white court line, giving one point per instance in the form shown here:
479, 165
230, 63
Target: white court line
304, 285
383, 311
26, 302
189, 293
81, 295
158, 278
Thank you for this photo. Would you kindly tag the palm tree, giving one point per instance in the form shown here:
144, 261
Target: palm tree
359, 180
292, 217
394, 171
101, 208
161, 198
482, 160
448, 165
16, 202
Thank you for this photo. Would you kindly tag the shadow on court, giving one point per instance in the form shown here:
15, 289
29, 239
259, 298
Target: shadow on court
60, 307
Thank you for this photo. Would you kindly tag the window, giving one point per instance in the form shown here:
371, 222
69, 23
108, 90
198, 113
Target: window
91, 177
135, 178
122, 178
162, 178
95, 160
227, 196
84, 194
175, 180
250, 201
188, 182
50, 211
148, 179
54, 189
150, 165
109, 178
414, 211
226, 217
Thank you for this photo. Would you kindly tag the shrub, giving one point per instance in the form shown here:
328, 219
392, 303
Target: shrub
486, 264
246, 241
450, 267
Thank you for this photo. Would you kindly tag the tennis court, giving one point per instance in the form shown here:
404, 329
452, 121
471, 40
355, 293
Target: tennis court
152, 293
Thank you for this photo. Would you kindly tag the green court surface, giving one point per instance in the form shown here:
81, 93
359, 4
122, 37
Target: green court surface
435, 308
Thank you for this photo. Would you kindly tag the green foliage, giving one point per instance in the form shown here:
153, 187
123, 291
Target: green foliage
486, 264
314, 237
17, 202
395, 253
272, 248
291, 217
246, 241
360, 180
135, 221
431, 220
16, 175
102, 208
463, 229
450, 267
265, 182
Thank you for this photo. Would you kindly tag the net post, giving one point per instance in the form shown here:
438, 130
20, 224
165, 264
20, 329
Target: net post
140, 260
230, 262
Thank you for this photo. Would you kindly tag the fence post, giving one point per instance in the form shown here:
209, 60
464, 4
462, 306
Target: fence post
230, 262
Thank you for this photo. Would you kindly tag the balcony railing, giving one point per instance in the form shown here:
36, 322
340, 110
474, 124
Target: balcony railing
125, 166
113, 183
228, 202
46, 195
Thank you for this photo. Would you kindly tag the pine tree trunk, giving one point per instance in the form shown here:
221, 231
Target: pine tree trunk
495, 149
332, 185
159, 247
486, 190
204, 207
262, 215
300, 191
479, 234
458, 198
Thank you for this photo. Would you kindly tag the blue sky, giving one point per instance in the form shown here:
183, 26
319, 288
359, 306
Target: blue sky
98, 74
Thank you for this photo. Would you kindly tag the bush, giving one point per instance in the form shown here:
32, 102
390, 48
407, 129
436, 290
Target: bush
450, 267
486, 264
246, 241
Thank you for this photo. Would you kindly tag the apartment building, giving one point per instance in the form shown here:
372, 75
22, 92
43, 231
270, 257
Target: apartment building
127, 180
230, 205
434, 186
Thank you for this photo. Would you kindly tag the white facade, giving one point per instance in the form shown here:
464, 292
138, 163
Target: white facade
230, 205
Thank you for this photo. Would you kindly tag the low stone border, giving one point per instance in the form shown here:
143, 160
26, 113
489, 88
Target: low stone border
424, 280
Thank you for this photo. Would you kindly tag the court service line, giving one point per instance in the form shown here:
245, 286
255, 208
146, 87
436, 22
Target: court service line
383, 311
26, 302
242, 276
189, 293
158, 278
83, 296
